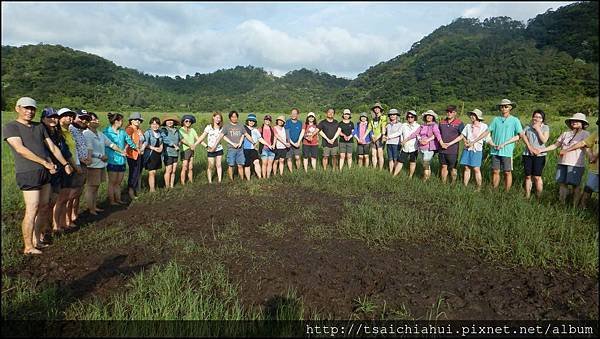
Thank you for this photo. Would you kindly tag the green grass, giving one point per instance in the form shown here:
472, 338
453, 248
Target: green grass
376, 209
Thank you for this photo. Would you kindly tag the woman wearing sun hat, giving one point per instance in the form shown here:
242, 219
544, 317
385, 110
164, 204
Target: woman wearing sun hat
363, 135
171, 140
393, 132
571, 165
408, 151
473, 151
134, 155
281, 144
189, 141
377, 126
252, 138
429, 138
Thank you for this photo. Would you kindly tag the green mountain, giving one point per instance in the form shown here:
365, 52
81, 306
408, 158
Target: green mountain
550, 62
469, 60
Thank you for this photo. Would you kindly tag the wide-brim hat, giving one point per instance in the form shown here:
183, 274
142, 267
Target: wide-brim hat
577, 117
171, 117
282, 118
393, 111
251, 117
478, 113
413, 113
364, 114
136, 116
507, 102
377, 105
189, 117
429, 112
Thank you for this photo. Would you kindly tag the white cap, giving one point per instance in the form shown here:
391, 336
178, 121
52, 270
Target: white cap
64, 110
346, 111
311, 114
26, 102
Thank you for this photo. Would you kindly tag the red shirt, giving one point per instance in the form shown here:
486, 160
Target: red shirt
311, 137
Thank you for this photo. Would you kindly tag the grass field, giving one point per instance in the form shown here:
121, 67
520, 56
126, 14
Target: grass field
255, 250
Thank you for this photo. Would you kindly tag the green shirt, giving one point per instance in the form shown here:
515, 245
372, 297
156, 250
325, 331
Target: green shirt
189, 137
502, 130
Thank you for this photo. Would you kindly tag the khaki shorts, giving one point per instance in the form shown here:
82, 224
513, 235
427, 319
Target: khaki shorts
346, 147
95, 176
330, 151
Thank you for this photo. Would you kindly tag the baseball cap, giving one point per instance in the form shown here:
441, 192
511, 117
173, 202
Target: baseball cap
83, 114
49, 112
65, 111
26, 102
346, 111
311, 114
268, 117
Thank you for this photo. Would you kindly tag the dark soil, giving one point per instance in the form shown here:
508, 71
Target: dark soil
329, 273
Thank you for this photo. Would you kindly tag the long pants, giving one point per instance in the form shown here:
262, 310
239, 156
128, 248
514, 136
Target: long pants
135, 170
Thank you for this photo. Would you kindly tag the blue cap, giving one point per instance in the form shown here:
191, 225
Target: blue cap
49, 112
251, 117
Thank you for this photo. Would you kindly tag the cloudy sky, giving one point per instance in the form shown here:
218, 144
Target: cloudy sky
184, 38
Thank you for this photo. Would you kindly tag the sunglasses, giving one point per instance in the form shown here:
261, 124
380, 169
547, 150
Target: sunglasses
187, 120
410, 117
504, 106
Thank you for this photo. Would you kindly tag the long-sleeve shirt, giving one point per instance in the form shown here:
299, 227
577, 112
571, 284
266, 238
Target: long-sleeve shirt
119, 138
425, 132
363, 131
393, 133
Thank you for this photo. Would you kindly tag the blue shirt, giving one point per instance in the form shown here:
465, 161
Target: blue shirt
171, 137
118, 138
255, 136
293, 129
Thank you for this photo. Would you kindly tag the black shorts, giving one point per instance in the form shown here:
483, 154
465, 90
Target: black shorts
170, 160
33, 180
280, 153
533, 165
215, 154
56, 180
75, 180
448, 159
310, 151
187, 154
250, 155
412, 156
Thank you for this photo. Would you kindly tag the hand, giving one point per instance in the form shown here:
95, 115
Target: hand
385, 138
562, 152
287, 144
423, 142
68, 169
467, 144
49, 165
77, 169
534, 151
498, 147
444, 145
193, 147
104, 158
593, 158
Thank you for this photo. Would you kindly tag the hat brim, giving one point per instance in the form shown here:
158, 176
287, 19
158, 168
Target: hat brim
512, 105
373, 108
568, 122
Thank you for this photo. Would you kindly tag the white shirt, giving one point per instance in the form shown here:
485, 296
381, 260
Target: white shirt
212, 136
406, 130
468, 133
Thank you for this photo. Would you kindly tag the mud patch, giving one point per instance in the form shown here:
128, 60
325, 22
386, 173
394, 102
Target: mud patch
282, 239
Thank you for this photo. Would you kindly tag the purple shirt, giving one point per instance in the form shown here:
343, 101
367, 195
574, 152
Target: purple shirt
425, 132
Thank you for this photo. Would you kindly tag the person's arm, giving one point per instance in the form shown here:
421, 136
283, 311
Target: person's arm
554, 146
337, 134
457, 139
412, 135
201, 139
129, 141
542, 135
17, 144
509, 141
58, 155
437, 134
182, 139
301, 137
481, 136
577, 146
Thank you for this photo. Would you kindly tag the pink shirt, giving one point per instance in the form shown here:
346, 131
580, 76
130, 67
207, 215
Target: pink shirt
574, 158
425, 132
311, 138
266, 134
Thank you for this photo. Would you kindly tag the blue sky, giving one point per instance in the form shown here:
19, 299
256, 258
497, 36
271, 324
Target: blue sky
184, 38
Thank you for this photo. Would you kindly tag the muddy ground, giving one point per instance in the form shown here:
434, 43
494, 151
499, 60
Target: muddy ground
269, 247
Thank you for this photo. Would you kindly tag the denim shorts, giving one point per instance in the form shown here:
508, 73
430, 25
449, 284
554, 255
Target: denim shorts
471, 158
393, 152
592, 183
267, 154
569, 175
235, 156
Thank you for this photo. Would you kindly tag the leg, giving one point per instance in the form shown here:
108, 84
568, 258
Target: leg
495, 178
528, 186
360, 160
298, 162
380, 157
349, 159
444, 172
219, 167
32, 202
412, 168
257, 169
191, 170
563, 192
120, 176
391, 166
209, 168
342, 158
90, 198
325, 161
247, 173
454, 174
539, 186
398, 167
152, 180
466, 175
577, 193
41, 218
305, 164
173, 174
290, 165
240, 169
167, 176
184, 170
230, 172
478, 178
334, 162
507, 180
374, 156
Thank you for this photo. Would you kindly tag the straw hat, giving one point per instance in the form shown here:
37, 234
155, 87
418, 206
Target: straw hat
429, 112
282, 118
377, 105
507, 102
171, 117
